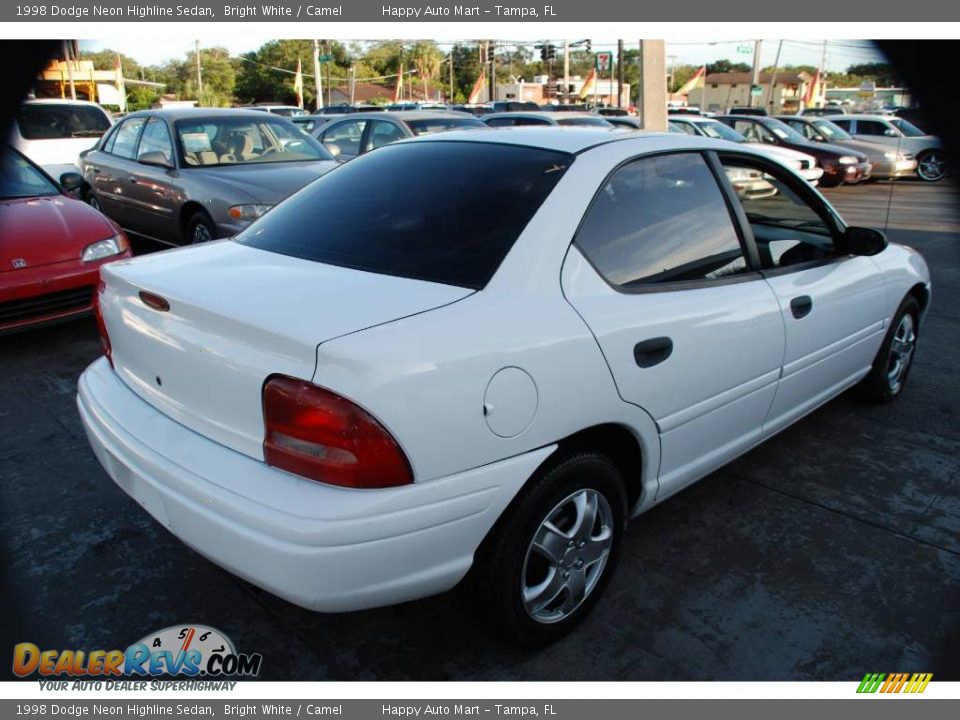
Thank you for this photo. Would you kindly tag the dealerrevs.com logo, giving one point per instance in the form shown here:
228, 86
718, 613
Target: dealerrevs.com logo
181, 650
887, 683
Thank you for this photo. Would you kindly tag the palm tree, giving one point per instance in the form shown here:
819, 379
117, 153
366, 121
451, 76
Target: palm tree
427, 60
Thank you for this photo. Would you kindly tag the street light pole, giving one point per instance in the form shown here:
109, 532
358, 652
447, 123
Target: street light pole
566, 71
756, 70
317, 79
199, 71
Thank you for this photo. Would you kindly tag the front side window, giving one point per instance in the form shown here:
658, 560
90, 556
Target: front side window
831, 131
873, 127
55, 121
124, 140
156, 139
661, 219
372, 213
786, 228
907, 128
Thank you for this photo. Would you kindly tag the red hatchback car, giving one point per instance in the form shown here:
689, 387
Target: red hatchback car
51, 246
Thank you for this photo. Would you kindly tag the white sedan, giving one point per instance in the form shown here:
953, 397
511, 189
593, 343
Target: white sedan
475, 356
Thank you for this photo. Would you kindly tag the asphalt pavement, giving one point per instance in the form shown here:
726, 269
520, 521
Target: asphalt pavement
830, 551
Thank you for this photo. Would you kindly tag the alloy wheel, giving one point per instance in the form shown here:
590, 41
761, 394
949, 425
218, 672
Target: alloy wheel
901, 353
932, 167
567, 556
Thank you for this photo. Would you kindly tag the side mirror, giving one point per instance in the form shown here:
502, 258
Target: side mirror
333, 149
862, 241
890, 132
71, 181
156, 158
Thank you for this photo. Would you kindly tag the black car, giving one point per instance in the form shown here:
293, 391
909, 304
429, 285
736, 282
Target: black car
840, 164
748, 111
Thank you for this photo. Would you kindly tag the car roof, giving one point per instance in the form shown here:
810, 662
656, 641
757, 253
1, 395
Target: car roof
545, 114
861, 117
680, 117
562, 139
406, 115
60, 101
198, 112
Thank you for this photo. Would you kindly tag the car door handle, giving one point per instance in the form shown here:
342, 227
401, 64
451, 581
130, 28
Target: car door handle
801, 306
652, 352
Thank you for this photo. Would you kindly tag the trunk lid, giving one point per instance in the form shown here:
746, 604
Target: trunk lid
236, 316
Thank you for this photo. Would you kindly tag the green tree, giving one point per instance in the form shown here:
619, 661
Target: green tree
725, 66
427, 59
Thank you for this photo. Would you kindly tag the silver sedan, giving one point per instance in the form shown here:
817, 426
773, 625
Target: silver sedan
190, 175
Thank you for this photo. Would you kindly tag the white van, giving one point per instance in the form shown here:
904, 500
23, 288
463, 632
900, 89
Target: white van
53, 133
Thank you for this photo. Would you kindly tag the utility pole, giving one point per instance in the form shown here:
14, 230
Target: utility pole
756, 69
329, 84
199, 71
619, 73
451, 99
492, 57
353, 84
69, 60
773, 80
566, 72
317, 79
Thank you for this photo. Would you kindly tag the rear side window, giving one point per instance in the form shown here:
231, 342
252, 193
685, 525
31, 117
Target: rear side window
55, 121
412, 210
658, 220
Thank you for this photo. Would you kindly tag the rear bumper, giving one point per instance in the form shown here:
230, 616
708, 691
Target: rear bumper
894, 168
322, 547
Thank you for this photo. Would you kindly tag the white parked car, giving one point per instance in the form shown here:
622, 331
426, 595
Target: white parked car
53, 133
803, 164
362, 399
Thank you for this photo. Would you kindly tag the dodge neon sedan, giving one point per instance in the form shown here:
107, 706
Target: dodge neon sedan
361, 400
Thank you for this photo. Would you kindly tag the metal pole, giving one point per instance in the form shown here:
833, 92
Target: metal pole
566, 72
196, 52
641, 110
756, 70
619, 73
773, 78
492, 57
329, 84
317, 78
451, 100
69, 61
353, 84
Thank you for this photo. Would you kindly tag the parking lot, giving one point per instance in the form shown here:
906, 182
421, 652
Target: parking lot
830, 551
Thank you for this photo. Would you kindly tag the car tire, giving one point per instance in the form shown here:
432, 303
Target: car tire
533, 583
200, 228
931, 166
893, 361
91, 200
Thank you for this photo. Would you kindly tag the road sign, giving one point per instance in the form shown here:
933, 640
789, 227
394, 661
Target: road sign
604, 61
325, 58
756, 90
744, 49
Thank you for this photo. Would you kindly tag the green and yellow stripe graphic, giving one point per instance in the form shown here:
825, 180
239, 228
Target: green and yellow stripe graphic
894, 682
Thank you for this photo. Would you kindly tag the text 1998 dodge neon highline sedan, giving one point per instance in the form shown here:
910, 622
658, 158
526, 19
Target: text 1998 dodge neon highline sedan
375, 392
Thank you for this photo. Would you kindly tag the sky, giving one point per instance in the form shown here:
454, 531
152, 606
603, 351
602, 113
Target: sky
840, 53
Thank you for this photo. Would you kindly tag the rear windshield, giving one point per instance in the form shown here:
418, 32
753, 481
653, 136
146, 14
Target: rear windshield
56, 121
435, 125
584, 122
447, 212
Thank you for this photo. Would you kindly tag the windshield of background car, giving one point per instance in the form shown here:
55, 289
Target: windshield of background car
446, 212
20, 179
584, 122
782, 130
831, 131
719, 131
907, 128
206, 142
435, 125
55, 121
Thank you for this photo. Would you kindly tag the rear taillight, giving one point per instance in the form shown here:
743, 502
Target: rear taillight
320, 435
101, 326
